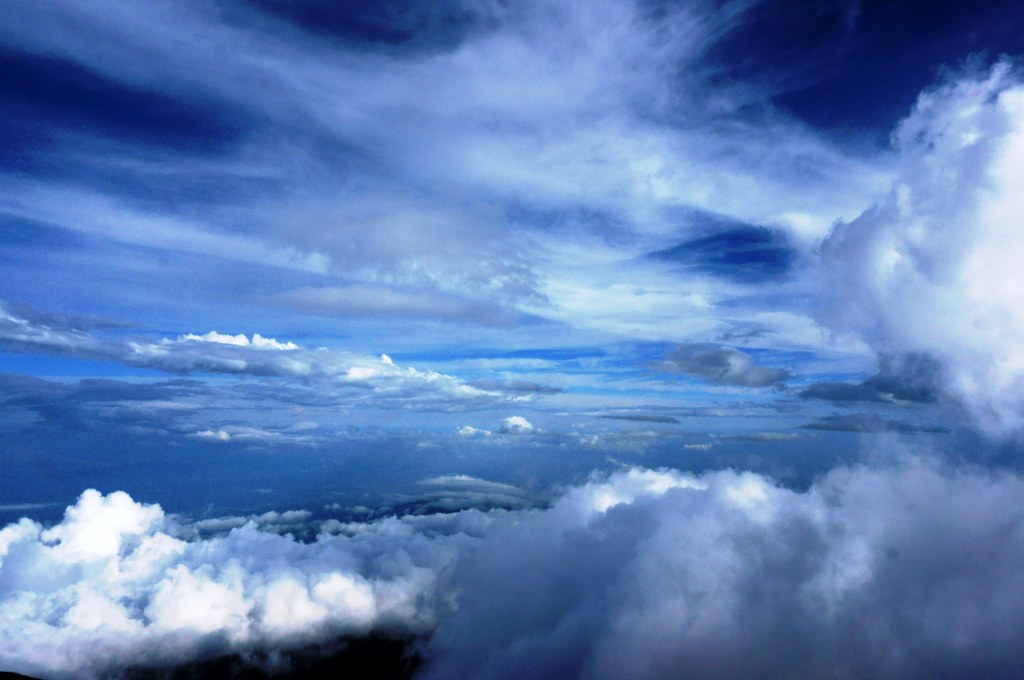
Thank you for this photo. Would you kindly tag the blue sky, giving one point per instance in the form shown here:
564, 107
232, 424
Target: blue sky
359, 259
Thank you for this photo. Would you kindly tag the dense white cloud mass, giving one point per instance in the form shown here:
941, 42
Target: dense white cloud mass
908, 571
114, 584
935, 267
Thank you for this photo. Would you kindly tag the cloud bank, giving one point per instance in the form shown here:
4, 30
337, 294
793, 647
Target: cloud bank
911, 571
934, 267
115, 585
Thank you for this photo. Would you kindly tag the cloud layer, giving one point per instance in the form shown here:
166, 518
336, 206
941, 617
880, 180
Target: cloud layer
910, 571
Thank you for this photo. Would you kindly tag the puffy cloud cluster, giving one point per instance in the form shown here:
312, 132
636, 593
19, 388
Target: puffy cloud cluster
934, 268
256, 342
115, 584
911, 571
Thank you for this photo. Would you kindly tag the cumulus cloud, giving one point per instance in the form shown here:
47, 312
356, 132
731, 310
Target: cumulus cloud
721, 365
934, 267
515, 425
911, 571
657, 574
115, 584
256, 342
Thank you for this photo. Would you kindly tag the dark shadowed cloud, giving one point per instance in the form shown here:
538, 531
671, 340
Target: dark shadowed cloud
720, 365
870, 422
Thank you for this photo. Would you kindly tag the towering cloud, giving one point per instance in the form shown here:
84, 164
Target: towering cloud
934, 267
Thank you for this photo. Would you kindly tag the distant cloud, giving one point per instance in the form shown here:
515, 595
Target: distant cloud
21, 331
760, 436
468, 432
451, 493
641, 417
256, 342
256, 355
515, 425
911, 378
523, 386
380, 300
721, 365
213, 435
868, 422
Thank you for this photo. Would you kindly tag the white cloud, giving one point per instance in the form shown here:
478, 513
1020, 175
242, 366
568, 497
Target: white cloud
468, 432
934, 267
17, 330
592, 113
897, 572
515, 425
213, 435
348, 376
112, 585
240, 340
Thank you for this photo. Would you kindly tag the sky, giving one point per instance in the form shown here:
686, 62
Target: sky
531, 332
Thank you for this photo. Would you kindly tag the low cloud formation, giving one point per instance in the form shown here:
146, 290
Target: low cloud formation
934, 267
720, 365
911, 571
115, 585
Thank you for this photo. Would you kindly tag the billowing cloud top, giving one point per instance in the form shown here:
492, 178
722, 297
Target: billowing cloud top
935, 266
870, 572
